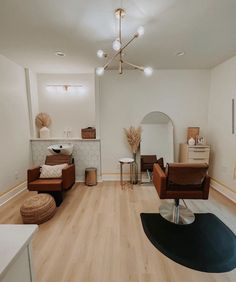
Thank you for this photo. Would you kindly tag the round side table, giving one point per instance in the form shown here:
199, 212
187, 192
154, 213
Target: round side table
130, 162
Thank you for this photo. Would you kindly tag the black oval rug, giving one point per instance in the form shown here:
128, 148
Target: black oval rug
206, 245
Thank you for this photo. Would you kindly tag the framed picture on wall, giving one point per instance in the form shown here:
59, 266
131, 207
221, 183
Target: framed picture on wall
193, 132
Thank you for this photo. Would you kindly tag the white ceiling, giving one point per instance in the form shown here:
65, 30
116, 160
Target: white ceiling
31, 32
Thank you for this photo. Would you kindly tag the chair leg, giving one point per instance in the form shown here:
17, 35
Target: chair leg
57, 195
176, 213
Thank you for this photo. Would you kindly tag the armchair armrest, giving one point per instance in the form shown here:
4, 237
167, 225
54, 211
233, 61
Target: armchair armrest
33, 174
68, 176
159, 180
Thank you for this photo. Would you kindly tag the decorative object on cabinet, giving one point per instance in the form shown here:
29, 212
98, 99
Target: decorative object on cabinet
133, 136
193, 132
191, 141
53, 186
201, 140
194, 154
43, 121
91, 176
38, 209
88, 133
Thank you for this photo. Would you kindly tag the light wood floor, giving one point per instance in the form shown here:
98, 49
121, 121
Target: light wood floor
96, 236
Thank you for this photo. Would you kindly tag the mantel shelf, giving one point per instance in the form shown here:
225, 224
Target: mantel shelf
63, 139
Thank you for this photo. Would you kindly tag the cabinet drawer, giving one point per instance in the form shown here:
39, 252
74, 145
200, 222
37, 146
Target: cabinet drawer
198, 154
199, 160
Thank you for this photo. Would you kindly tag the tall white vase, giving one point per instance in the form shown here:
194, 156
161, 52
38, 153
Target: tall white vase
44, 133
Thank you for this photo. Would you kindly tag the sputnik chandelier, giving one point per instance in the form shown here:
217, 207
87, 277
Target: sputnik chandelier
119, 47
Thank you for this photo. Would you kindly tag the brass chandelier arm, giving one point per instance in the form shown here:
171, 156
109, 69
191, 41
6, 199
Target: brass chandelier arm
112, 58
134, 66
120, 67
135, 36
119, 52
119, 32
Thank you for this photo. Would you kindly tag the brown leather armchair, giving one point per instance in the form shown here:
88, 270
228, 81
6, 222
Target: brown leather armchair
53, 186
180, 181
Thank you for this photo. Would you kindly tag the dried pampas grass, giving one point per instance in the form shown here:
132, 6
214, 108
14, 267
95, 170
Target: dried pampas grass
133, 136
42, 120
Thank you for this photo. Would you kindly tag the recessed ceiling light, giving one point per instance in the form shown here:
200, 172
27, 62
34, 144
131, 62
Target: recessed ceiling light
179, 54
60, 54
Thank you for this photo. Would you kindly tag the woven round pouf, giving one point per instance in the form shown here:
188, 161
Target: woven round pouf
38, 209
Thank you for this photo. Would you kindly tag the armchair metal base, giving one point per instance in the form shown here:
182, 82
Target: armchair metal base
176, 213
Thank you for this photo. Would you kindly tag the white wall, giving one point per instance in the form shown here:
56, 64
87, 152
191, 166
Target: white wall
67, 110
221, 139
171, 141
14, 125
126, 99
33, 104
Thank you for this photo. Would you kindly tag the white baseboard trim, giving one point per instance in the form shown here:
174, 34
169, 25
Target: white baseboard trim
116, 177
224, 190
112, 177
81, 180
12, 193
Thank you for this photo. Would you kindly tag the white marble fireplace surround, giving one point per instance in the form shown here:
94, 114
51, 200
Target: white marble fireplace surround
86, 153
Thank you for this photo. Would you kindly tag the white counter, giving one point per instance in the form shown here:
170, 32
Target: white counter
14, 240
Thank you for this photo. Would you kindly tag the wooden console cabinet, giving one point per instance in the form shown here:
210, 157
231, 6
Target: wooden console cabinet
194, 154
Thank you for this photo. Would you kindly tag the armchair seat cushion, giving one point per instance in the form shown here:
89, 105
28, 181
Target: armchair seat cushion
53, 184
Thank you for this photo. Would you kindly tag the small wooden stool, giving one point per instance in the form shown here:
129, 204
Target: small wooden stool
128, 161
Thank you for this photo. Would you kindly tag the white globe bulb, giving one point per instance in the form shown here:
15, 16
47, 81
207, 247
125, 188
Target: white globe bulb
148, 71
100, 53
140, 31
116, 45
100, 71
